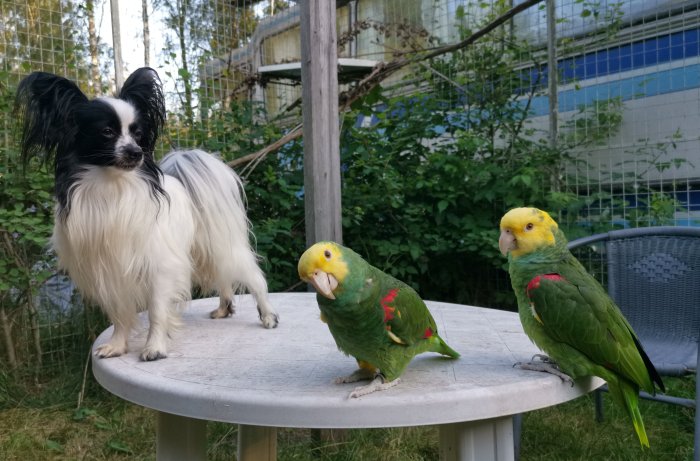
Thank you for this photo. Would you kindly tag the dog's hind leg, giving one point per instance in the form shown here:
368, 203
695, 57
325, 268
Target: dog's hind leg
252, 277
226, 305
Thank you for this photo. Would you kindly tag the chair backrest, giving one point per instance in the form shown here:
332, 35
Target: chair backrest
653, 274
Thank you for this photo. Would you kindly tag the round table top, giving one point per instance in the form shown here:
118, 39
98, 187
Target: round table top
234, 370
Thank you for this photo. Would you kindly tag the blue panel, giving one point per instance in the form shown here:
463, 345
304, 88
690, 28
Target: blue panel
614, 60
694, 200
637, 55
651, 84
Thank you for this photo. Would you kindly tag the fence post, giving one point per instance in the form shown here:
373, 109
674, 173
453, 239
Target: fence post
552, 83
319, 77
552, 73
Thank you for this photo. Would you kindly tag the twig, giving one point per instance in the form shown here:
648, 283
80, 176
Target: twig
81, 394
291, 136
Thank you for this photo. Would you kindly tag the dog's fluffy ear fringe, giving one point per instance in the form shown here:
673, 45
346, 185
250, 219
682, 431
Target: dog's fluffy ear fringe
45, 107
144, 90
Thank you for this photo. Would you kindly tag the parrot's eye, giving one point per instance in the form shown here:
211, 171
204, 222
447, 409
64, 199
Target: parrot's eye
327, 254
529, 226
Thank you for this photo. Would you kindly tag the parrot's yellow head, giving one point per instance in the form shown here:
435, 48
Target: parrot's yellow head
524, 230
322, 265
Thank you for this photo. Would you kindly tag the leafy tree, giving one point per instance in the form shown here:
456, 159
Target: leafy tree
29, 43
25, 223
198, 31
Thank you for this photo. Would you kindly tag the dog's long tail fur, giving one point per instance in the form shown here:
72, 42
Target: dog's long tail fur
223, 257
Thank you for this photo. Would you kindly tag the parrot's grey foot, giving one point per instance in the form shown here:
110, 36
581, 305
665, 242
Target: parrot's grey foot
546, 365
377, 384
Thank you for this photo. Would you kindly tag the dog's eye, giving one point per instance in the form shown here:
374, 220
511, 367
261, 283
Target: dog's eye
108, 133
137, 134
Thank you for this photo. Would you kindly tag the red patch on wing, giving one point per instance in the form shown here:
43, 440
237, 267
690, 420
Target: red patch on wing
388, 310
428, 333
535, 282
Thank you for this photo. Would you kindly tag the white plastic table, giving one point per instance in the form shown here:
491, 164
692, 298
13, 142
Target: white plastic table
235, 371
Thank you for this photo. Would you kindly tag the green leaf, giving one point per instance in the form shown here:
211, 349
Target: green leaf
119, 446
415, 251
83, 413
52, 445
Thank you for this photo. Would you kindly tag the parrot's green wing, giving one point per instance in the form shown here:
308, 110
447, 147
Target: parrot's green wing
406, 317
574, 309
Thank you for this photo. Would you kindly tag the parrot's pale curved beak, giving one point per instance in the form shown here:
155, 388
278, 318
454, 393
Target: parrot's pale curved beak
507, 242
324, 283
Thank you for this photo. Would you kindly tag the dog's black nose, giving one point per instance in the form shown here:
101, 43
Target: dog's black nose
130, 156
132, 153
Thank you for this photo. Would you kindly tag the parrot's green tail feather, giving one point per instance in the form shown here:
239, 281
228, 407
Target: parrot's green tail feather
628, 396
444, 349
631, 402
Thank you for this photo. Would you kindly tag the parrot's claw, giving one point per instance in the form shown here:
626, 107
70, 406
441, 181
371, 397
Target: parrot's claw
361, 374
542, 358
377, 384
546, 365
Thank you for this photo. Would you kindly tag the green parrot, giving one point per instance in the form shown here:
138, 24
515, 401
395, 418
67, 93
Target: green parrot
377, 319
570, 316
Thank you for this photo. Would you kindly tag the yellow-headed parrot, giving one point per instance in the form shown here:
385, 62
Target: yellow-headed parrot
377, 319
570, 316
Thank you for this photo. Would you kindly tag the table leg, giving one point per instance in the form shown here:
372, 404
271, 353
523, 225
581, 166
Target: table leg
180, 438
487, 440
257, 443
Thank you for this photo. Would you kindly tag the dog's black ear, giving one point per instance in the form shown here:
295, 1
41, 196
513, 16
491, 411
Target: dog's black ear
45, 105
143, 89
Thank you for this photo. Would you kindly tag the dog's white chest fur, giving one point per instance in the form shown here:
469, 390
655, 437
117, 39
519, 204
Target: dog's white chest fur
115, 242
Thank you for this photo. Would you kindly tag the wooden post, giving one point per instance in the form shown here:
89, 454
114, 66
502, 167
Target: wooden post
180, 438
117, 45
319, 94
257, 443
319, 78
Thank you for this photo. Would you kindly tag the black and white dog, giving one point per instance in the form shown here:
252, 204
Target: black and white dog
134, 235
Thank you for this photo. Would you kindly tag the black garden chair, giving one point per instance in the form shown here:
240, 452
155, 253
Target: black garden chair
653, 274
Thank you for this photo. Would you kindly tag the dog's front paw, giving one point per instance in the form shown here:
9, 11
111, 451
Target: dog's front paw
110, 350
148, 354
270, 320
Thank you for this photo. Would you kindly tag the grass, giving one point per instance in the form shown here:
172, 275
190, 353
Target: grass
41, 427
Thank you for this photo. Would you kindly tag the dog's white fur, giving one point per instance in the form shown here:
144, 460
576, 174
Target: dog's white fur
132, 235
128, 252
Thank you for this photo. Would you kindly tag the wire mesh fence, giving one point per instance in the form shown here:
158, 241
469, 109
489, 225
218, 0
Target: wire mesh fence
628, 105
